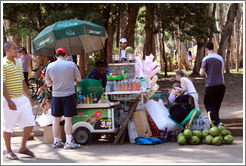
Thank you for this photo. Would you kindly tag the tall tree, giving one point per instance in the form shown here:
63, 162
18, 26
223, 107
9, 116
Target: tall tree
227, 30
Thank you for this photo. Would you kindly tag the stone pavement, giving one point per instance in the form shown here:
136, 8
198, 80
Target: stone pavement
102, 152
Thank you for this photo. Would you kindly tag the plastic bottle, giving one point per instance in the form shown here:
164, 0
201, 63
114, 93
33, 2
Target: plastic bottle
108, 86
206, 123
91, 98
80, 98
84, 99
87, 99
95, 98
130, 85
115, 86
201, 124
134, 85
102, 99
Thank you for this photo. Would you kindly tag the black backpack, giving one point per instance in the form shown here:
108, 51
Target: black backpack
180, 111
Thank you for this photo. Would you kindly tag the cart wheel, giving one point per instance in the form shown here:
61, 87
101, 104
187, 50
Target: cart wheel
82, 135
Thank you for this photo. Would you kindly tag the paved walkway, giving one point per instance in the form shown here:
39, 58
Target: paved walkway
107, 153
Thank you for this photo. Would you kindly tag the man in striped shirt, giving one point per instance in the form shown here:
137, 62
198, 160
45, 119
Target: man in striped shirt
17, 108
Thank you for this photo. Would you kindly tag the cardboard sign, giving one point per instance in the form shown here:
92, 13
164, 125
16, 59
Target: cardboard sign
142, 124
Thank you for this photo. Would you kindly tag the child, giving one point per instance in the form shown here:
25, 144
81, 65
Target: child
174, 93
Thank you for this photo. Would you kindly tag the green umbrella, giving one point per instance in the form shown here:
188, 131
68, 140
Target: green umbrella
73, 35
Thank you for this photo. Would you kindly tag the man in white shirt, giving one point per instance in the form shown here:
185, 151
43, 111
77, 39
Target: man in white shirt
123, 44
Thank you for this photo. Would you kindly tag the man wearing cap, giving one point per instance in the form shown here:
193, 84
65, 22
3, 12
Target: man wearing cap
123, 44
61, 74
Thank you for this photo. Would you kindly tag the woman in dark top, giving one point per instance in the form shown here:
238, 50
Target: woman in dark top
100, 73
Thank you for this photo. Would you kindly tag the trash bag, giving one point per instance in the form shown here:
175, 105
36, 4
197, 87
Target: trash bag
160, 115
180, 111
148, 141
45, 119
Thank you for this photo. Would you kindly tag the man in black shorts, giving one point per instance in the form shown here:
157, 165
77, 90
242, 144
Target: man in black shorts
62, 74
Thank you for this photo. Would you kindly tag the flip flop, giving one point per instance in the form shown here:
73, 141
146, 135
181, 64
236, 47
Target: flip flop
11, 156
27, 152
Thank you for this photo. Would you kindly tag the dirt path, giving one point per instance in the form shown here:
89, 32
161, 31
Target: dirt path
232, 105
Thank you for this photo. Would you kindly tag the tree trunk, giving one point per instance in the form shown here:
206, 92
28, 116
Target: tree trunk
221, 18
123, 23
232, 58
184, 58
147, 50
29, 44
161, 51
227, 60
164, 53
106, 16
238, 23
118, 32
214, 40
213, 15
81, 64
199, 56
132, 17
154, 45
241, 50
226, 32
110, 43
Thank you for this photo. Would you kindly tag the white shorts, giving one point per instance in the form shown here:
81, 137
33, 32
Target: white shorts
23, 116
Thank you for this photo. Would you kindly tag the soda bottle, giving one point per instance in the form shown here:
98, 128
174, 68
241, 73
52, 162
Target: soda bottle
102, 99
130, 85
134, 85
80, 98
93, 119
95, 98
87, 99
115, 86
84, 99
91, 98
107, 87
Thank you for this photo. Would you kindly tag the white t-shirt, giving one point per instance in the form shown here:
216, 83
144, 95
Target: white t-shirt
190, 86
123, 54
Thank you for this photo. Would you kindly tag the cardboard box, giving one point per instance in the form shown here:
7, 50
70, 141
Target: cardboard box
48, 134
142, 124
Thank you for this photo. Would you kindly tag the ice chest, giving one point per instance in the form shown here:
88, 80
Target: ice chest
141, 123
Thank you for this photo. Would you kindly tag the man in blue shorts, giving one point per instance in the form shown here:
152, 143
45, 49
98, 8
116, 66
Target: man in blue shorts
213, 68
62, 74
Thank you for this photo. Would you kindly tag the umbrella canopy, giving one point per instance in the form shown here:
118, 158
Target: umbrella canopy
73, 35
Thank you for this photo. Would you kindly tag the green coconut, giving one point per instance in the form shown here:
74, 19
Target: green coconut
187, 133
209, 140
180, 134
221, 128
228, 139
214, 131
194, 140
225, 132
181, 140
205, 133
197, 133
129, 49
217, 141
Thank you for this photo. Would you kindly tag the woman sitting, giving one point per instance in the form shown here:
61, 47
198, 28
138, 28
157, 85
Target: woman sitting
188, 93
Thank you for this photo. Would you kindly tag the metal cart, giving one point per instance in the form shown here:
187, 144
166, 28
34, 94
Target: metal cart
97, 118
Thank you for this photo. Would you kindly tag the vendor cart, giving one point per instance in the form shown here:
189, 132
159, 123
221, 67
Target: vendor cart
97, 118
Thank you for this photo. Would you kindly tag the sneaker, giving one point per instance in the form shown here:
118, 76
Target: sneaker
58, 144
72, 145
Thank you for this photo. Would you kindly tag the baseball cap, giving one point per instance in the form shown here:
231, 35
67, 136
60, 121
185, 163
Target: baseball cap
61, 50
123, 40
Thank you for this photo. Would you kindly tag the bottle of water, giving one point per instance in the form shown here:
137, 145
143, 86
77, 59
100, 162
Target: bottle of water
201, 124
194, 124
115, 86
206, 123
108, 86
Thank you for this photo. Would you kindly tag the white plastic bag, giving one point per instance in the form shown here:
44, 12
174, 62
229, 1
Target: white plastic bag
132, 132
160, 115
45, 119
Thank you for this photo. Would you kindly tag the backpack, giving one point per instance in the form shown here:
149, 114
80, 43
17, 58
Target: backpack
180, 111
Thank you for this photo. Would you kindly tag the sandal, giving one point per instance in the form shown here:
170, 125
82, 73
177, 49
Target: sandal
27, 152
11, 156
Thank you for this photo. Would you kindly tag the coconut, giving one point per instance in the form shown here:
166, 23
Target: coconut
225, 132
228, 139
205, 133
129, 49
209, 140
181, 140
180, 134
217, 141
214, 131
194, 140
221, 128
197, 133
187, 133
